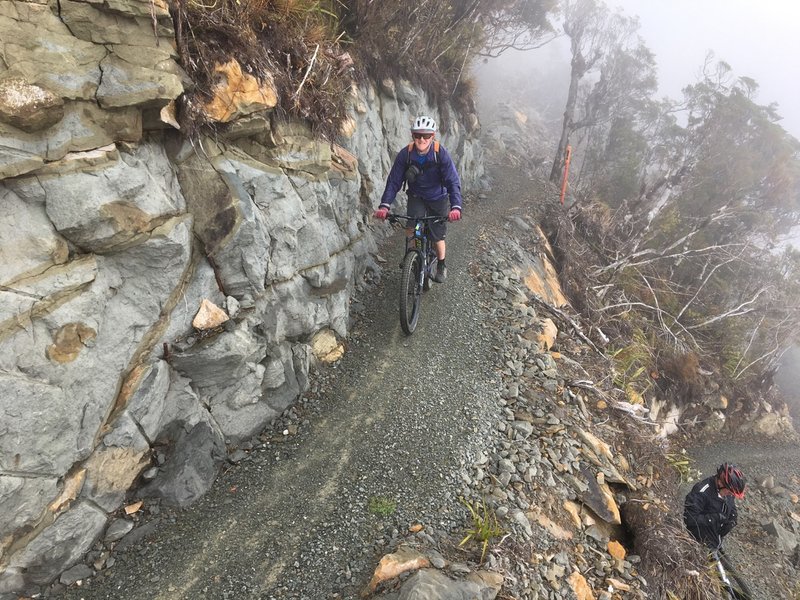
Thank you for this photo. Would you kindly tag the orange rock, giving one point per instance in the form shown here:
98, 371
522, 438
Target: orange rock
616, 550
237, 94
574, 510
551, 526
580, 586
73, 484
209, 316
132, 508
416, 527
69, 341
392, 565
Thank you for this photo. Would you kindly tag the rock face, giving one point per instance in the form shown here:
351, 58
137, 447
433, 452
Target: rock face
113, 233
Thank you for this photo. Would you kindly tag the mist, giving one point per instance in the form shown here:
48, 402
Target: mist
757, 39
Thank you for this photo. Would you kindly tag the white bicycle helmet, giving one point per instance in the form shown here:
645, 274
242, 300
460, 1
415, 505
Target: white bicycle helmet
423, 124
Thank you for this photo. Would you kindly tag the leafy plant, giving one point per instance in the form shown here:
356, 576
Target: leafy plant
484, 525
381, 506
631, 362
683, 465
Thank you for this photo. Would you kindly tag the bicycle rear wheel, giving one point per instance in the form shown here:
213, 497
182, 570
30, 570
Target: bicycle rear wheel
410, 293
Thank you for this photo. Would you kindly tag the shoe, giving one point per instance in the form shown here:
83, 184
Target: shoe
440, 273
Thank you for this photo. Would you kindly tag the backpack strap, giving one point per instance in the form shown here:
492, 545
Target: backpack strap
436, 147
410, 147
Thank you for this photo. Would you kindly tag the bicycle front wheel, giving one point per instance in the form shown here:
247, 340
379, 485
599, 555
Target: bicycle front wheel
739, 588
410, 293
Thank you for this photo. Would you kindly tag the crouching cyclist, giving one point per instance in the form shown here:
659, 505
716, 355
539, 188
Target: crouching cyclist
434, 188
709, 511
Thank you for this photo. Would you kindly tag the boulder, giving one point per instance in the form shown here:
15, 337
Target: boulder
325, 347
28, 107
391, 565
430, 584
785, 540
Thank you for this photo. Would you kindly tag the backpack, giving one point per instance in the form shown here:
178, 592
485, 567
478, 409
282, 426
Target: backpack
410, 147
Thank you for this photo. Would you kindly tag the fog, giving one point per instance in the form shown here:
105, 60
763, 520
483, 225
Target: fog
760, 40
757, 39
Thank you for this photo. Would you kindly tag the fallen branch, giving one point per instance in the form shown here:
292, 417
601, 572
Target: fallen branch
308, 71
575, 327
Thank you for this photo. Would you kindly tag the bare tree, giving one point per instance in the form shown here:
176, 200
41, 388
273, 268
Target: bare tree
594, 33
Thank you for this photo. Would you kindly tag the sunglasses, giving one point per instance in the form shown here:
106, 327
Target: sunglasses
422, 136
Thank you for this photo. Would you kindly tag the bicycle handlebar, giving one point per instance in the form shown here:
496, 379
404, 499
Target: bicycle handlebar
395, 217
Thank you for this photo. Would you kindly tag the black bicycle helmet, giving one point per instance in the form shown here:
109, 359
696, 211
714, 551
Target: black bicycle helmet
731, 478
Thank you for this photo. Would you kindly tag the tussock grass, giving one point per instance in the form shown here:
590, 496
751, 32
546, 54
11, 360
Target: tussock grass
484, 526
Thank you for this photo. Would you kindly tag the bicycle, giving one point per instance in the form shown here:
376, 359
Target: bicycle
416, 268
733, 585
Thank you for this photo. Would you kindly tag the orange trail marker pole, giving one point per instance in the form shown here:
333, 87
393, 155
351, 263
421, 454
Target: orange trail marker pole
566, 174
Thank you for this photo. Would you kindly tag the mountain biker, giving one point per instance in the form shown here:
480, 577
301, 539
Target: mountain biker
434, 188
709, 511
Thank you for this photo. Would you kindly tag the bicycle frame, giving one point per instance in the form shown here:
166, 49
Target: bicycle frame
422, 240
416, 267
723, 574
737, 589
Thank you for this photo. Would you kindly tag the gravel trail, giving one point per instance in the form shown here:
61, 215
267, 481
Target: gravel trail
388, 426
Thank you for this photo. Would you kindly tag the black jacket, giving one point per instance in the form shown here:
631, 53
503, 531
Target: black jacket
708, 516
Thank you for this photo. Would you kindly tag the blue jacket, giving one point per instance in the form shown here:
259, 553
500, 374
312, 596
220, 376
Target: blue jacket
436, 182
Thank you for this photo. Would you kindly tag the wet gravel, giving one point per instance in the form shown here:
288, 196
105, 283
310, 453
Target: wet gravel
374, 446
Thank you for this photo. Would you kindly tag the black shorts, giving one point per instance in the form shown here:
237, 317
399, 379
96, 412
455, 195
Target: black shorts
417, 207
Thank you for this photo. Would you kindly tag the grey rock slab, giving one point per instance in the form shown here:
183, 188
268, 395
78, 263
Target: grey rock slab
24, 500
125, 84
40, 49
93, 22
192, 465
30, 243
26, 406
15, 161
84, 126
118, 529
101, 209
76, 573
430, 584
60, 545
227, 370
